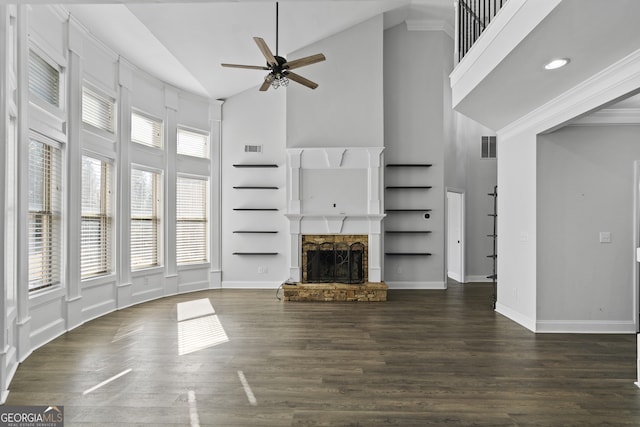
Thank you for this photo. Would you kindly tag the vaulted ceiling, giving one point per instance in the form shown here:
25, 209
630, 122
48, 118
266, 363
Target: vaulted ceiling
185, 43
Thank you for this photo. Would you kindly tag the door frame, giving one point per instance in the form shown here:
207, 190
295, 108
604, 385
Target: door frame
636, 245
462, 220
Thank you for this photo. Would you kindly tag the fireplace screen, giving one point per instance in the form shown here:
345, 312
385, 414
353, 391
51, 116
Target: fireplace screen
337, 262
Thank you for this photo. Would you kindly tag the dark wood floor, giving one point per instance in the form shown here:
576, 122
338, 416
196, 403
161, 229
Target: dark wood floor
421, 358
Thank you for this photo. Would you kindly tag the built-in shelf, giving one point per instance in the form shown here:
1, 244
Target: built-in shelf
255, 209
408, 253
255, 253
255, 231
254, 187
408, 231
404, 199
255, 165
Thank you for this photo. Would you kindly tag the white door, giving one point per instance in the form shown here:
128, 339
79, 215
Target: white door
455, 231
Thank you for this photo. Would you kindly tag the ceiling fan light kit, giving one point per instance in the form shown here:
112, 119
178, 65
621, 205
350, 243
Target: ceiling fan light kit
278, 67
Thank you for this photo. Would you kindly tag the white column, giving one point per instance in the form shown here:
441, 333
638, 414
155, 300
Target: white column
215, 184
74, 179
294, 158
170, 176
124, 286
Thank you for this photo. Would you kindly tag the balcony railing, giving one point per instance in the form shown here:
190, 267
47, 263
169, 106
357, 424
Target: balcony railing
473, 17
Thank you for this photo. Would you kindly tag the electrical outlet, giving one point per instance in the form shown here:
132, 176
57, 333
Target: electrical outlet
605, 237
262, 269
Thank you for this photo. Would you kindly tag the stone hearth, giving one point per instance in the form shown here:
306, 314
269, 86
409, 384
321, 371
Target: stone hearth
365, 292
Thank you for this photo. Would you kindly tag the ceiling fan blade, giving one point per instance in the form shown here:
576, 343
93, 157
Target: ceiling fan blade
266, 84
303, 81
307, 60
262, 45
249, 67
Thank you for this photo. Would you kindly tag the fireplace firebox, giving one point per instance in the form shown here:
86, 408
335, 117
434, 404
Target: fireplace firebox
334, 259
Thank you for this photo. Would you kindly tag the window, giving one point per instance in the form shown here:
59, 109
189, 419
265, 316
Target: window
96, 233
191, 223
45, 200
98, 110
192, 143
488, 147
146, 130
145, 219
44, 79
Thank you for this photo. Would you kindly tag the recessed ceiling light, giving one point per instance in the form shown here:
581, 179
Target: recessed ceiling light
556, 63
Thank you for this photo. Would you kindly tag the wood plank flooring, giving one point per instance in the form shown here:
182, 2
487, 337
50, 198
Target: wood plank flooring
421, 358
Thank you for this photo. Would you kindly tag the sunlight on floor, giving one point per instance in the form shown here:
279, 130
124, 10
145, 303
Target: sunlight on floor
198, 326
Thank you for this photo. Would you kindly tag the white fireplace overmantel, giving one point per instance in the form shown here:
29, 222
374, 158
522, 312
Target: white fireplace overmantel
365, 165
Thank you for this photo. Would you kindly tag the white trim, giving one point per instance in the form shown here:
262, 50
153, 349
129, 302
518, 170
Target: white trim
417, 285
477, 279
610, 116
240, 284
516, 317
430, 25
586, 326
636, 244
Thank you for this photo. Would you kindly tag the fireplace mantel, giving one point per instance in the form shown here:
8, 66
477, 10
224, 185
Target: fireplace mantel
367, 220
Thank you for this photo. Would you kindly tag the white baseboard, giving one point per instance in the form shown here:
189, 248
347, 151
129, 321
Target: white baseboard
477, 279
233, 284
516, 317
416, 285
586, 326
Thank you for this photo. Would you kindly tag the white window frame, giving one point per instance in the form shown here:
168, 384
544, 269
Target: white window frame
104, 216
100, 95
56, 110
155, 219
51, 276
182, 260
189, 152
154, 120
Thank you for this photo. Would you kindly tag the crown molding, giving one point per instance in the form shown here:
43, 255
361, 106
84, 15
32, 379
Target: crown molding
610, 116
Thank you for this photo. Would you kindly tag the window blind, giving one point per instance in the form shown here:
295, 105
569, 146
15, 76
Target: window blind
45, 201
96, 239
146, 130
44, 80
145, 220
191, 143
98, 110
191, 220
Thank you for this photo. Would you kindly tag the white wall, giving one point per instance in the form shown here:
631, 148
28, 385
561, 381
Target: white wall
34, 318
585, 186
415, 132
254, 118
346, 110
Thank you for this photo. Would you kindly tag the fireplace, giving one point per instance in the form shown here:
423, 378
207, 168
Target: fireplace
335, 196
334, 259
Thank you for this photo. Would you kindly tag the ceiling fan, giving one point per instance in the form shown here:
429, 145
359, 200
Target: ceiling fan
279, 68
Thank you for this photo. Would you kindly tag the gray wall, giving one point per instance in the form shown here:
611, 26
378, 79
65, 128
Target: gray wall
414, 132
585, 186
466, 169
346, 108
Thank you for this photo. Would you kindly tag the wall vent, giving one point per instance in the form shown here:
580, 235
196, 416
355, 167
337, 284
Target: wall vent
489, 147
253, 148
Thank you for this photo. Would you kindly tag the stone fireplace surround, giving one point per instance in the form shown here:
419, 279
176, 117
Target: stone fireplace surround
365, 220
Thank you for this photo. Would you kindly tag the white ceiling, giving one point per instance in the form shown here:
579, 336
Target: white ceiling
593, 33
185, 43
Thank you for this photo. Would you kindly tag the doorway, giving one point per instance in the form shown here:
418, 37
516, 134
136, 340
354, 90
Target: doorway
455, 235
